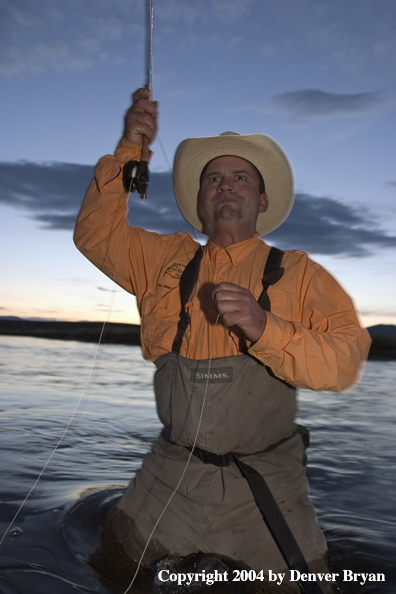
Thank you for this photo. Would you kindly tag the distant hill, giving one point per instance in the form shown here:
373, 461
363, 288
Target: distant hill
383, 346
81, 331
382, 330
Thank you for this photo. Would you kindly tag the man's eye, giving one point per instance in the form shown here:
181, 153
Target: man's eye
241, 177
214, 178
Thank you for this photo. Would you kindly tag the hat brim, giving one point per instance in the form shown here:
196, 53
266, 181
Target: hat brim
262, 151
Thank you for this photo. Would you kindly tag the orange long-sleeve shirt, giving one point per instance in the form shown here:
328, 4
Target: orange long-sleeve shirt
312, 338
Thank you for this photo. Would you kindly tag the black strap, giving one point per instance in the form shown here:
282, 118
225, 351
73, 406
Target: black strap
277, 525
272, 273
268, 507
227, 459
188, 280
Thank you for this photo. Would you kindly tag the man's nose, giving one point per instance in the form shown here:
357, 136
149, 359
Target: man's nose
225, 184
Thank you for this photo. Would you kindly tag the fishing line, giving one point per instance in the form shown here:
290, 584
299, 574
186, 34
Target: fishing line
108, 315
184, 470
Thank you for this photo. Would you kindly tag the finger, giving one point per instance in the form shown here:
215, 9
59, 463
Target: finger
144, 106
228, 307
140, 123
230, 318
225, 286
142, 102
142, 92
141, 119
224, 297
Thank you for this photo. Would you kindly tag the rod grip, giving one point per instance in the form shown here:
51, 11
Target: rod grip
145, 150
145, 146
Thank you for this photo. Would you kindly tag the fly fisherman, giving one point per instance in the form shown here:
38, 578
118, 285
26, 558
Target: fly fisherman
233, 348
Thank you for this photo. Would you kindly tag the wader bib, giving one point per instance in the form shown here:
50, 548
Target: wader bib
248, 412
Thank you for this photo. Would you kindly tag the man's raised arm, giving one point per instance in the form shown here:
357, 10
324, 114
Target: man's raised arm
102, 232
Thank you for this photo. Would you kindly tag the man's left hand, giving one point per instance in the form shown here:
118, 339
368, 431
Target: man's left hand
238, 307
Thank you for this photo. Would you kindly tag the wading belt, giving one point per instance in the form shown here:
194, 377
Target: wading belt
265, 501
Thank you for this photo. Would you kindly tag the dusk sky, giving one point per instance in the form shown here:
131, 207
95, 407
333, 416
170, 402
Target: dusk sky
318, 76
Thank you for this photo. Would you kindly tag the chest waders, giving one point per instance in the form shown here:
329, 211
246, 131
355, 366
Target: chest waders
175, 413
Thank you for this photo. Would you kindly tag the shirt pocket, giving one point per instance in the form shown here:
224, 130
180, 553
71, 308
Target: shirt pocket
164, 301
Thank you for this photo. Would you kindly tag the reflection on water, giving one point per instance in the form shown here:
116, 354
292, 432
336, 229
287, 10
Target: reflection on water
351, 460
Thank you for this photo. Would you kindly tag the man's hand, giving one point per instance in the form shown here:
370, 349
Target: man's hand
238, 307
141, 118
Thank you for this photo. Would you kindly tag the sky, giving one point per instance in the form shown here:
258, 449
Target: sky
318, 76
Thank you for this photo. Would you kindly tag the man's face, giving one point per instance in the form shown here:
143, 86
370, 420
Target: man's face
230, 193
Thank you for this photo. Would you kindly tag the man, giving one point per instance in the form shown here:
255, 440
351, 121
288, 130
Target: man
227, 366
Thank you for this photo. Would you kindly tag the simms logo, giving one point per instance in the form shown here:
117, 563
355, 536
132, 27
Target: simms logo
220, 375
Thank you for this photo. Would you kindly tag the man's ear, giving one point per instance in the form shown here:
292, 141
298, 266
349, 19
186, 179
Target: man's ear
263, 202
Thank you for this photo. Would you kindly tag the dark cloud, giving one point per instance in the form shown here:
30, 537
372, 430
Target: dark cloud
316, 103
52, 193
326, 226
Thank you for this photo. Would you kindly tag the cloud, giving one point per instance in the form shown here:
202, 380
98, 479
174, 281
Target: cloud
320, 104
314, 104
112, 290
327, 226
187, 92
54, 54
231, 11
205, 11
51, 194
36, 37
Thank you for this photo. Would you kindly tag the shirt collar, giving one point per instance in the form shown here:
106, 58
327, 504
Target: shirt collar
236, 252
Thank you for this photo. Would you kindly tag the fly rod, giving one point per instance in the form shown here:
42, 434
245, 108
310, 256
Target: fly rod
136, 173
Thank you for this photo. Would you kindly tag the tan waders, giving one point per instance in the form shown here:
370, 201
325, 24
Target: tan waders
246, 411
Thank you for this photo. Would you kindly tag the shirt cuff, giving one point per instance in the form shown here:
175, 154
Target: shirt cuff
110, 167
128, 151
271, 344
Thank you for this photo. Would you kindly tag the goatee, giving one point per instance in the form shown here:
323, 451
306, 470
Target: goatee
227, 214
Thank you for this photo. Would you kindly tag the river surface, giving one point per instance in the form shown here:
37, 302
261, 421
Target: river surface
351, 461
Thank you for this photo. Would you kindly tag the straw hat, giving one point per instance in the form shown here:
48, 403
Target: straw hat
262, 151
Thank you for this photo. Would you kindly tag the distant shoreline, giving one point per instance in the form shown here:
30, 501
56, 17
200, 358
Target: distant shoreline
383, 347
82, 331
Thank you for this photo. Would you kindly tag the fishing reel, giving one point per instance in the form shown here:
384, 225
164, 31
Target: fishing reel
136, 176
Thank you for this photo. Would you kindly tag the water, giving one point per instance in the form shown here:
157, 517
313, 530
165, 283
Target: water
351, 462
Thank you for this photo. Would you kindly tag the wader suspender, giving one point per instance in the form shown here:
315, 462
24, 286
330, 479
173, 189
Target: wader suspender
265, 501
188, 280
272, 273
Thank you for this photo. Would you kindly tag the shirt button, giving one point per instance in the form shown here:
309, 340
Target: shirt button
260, 354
